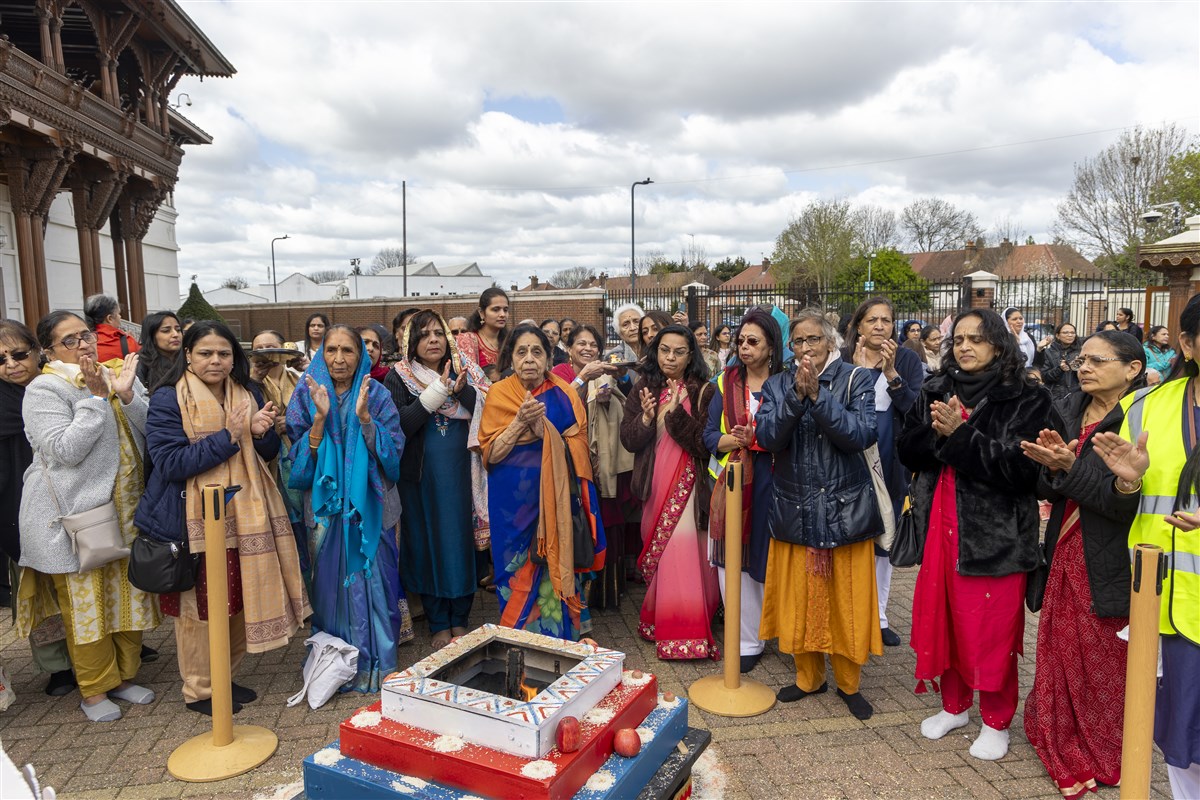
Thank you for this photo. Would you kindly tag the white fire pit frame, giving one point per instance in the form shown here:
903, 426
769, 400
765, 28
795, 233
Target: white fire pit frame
522, 728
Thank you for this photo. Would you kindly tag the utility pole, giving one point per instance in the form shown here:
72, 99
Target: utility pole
404, 233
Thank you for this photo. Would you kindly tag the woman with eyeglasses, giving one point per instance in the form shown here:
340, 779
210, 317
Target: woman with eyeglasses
443, 488
19, 364
1160, 356
1074, 715
898, 375
1154, 463
817, 417
486, 327
162, 337
553, 333
86, 423
729, 435
1058, 374
595, 381
975, 494
664, 429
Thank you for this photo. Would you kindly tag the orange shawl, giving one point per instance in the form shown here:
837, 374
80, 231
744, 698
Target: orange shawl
554, 540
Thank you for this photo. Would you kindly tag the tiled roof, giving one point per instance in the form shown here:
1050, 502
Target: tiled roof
757, 275
1006, 261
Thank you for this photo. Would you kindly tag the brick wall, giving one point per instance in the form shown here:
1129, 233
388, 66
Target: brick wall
584, 305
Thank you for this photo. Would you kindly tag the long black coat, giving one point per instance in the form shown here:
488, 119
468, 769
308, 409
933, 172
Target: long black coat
1061, 383
996, 482
413, 421
1104, 514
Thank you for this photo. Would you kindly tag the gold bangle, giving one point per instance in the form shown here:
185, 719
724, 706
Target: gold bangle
1134, 487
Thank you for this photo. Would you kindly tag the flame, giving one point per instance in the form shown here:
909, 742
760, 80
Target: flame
528, 692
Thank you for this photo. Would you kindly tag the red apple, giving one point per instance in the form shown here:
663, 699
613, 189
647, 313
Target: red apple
669, 697
627, 743
566, 735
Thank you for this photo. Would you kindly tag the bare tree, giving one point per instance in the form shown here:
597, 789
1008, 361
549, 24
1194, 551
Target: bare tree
572, 277
235, 283
326, 275
1102, 214
933, 224
1006, 228
875, 228
388, 257
816, 245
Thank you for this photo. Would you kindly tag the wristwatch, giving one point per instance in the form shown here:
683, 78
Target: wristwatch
895, 383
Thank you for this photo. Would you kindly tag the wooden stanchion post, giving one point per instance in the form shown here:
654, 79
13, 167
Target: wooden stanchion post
729, 695
229, 749
1141, 672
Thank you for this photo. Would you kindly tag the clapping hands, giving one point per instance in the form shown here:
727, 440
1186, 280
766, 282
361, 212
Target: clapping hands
531, 412
807, 384
263, 420
946, 416
1051, 451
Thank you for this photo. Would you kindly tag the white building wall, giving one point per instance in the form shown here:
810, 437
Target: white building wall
160, 254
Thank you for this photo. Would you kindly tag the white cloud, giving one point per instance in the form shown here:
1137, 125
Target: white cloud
741, 113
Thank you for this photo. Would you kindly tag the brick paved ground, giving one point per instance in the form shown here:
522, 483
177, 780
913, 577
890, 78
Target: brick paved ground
810, 749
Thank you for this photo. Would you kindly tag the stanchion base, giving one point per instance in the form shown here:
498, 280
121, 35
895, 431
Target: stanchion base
749, 699
197, 760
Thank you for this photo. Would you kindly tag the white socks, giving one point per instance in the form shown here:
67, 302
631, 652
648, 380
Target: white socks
943, 722
992, 745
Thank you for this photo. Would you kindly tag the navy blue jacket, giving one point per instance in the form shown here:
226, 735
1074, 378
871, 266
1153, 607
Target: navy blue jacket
171, 459
823, 492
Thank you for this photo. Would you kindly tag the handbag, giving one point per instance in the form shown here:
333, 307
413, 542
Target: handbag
96, 537
582, 544
882, 497
161, 567
1037, 578
909, 544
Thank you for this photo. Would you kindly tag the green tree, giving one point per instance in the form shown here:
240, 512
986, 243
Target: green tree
727, 267
196, 307
816, 245
1182, 182
893, 277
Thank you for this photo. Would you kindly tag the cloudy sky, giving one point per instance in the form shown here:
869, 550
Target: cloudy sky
519, 127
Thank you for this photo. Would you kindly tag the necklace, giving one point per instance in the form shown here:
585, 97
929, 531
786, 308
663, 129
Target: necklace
442, 422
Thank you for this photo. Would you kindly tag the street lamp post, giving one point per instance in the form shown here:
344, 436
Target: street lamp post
355, 270
274, 281
870, 287
632, 250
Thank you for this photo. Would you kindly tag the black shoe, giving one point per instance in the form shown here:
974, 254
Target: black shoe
791, 693
750, 662
61, 683
243, 695
890, 637
857, 704
205, 707
149, 654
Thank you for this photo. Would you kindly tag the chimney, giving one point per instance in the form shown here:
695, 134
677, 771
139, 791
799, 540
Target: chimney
1006, 248
766, 261
972, 250
533, 282
603, 280
516, 288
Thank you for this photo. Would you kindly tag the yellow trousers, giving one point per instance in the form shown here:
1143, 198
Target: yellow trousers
104, 664
191, 642
810, 671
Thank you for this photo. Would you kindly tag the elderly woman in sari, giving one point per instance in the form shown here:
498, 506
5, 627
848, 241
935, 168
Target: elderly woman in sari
86, 421
818, 417
663, 428
534, 439
208, 424
346, 447
439, 397
730, 434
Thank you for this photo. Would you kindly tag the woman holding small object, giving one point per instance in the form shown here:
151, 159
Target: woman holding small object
1057, 373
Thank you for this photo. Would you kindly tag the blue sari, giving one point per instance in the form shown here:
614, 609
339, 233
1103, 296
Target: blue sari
525, 590
355, 585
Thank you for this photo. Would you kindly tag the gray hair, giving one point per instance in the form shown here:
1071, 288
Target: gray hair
621, 309
816, 315
97, 308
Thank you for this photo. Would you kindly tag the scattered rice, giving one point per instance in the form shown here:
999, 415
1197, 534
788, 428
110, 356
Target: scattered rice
448, 744
327, 757
539, 770
397, 786
416, 783
627, 678
646, 735
602, 781
599, 716
709, 778
366, 719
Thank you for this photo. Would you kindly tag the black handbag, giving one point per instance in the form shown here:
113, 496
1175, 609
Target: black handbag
909, 545
161, 567
1036, 579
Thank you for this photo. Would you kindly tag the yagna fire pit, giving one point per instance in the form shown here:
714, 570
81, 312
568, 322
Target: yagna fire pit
502, 688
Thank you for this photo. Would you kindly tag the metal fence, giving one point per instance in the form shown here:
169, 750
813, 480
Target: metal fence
1045, 301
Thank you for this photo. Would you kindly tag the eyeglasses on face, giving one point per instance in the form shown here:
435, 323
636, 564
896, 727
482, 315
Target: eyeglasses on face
457, 331
1094, 361
72, 342
753, 341
15, 355
811, 341
679, 352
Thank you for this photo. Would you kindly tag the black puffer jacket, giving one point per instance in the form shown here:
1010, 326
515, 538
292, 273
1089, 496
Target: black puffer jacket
1061, 382
1105, 515
996, 482
823, 493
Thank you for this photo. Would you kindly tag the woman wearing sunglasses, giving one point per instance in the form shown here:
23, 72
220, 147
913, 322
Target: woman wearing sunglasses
19, 364
86, 422
729, 435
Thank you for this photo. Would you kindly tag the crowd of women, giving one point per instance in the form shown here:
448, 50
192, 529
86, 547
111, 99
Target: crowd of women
386, 474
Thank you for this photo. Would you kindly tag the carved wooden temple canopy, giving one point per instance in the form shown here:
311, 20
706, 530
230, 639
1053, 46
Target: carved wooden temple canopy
1178, 259
85, 107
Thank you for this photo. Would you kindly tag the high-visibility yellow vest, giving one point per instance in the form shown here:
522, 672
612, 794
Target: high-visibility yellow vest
1160, 410
716, 463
